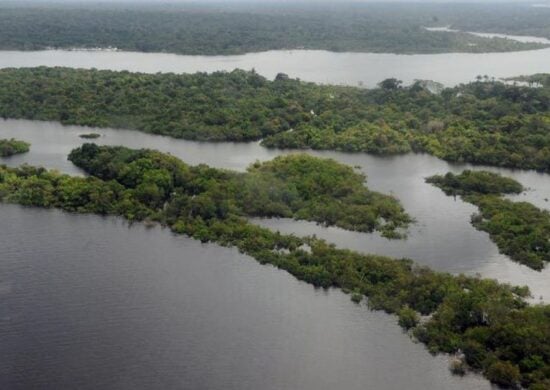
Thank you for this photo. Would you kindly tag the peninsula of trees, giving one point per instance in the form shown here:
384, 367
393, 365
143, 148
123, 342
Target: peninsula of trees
491, 323
240, 28
519, 229
485, 122
9, 147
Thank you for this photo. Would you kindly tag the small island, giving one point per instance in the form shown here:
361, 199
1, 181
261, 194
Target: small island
90, 135
519, 229
10, 147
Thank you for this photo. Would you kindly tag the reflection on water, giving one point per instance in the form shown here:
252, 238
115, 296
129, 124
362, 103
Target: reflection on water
90, 303
442, 236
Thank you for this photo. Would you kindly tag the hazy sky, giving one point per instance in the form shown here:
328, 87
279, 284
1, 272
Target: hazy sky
276, 1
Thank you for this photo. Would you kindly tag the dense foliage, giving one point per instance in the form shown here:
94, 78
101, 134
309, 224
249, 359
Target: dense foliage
520, 230
238, 28
491, 323
514, 19
483, 122
294, 186
9, 147
476, 182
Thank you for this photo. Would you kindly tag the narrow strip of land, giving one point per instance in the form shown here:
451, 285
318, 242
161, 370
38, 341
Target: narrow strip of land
520, 230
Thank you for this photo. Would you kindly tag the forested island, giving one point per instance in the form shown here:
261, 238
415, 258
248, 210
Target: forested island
499, 334
520, 230
485, 121
9, 147
214, 29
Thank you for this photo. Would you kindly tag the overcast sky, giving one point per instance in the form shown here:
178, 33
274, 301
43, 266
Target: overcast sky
276, 1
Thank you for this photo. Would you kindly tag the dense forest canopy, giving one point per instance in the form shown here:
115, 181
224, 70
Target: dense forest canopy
491, 323
240, 28
294, 186
520, 230
513, 19
485, 122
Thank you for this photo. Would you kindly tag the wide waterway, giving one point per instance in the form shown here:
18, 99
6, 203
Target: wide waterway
90, 303
365, 69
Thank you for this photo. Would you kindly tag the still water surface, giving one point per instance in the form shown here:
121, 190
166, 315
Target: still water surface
442, 236
366, 69
90, 303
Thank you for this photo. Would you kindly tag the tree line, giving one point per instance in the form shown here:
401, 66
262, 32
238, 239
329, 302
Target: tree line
237, 29
484, 122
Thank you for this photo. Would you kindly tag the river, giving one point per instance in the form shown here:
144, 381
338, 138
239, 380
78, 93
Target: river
90, 303
364, 69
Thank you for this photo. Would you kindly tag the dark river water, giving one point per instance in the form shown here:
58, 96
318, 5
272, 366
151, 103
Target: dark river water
91, 303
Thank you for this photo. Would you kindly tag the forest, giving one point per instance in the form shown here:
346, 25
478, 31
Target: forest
240, 28
498, 333
509, 18
9, 147
484, 122
294, 186
519, 229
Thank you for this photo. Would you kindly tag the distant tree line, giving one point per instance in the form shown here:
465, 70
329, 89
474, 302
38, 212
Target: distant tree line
237, 29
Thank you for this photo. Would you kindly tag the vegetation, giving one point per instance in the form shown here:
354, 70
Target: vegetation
9, 147
294, 186
238, 28
483, 122
520, 230
499, 333
476, 182
514, 19
90, 135
539, 78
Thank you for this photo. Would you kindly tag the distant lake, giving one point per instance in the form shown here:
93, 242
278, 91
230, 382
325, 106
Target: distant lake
364, 69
